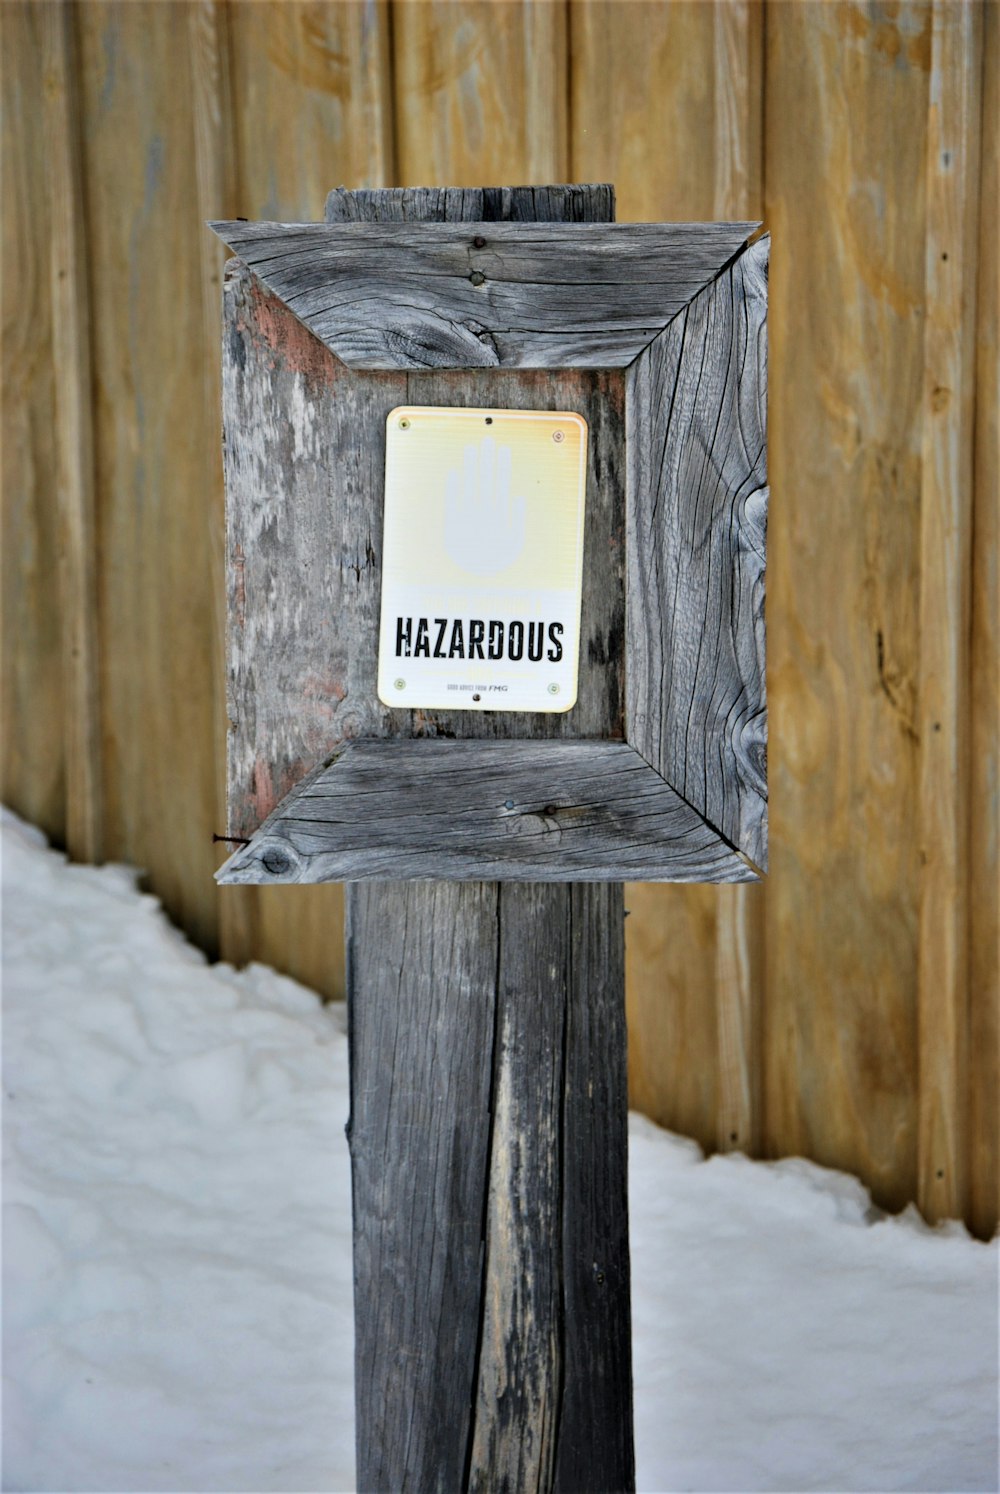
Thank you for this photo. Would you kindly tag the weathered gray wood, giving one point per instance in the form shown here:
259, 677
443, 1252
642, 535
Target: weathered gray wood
520, 810
566, 203
304, 462
697, 474
451, 988
422, 986
388, 296
595, 1442
491, 1235
304, 458
519, 1385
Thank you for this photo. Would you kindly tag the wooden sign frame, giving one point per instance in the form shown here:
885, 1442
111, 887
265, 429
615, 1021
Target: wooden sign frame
656, 333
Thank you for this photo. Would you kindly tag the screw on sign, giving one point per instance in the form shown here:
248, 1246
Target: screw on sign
581, 703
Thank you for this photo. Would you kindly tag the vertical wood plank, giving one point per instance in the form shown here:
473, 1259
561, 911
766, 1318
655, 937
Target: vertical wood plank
422, 979
953, 142
155, 608
33, 693
739, 940
845, 173
646, 73
480, 92
312, 96
594, 1447
216, 178
71, 357
312, 107
520, 1361
738, 88
984, 797
739, 978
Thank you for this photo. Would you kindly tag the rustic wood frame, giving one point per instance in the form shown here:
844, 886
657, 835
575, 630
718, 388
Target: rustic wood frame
681, 309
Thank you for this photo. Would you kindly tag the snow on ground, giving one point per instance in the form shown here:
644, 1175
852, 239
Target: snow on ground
177, 1301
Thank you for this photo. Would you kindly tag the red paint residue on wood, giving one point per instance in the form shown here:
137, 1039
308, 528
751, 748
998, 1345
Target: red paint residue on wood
291, 345
262, 789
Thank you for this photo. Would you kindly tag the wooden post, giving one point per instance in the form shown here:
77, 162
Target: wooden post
488, 1141
488, 1128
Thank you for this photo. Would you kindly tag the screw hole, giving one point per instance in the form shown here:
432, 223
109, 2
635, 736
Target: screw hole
489, 420
477, 697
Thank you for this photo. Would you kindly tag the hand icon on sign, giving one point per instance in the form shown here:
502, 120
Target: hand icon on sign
483, 524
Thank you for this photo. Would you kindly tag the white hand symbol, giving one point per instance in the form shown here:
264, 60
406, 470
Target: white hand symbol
483, 524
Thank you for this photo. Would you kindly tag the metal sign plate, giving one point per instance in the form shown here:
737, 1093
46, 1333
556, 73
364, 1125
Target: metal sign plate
482, 559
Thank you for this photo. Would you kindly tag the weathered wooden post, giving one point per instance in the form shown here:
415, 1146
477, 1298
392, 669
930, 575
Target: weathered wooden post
485, 849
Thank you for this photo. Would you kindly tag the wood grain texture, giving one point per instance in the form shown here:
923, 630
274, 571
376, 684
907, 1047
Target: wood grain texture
697, 462
152, 445
512, 810
737, 172
305, 571
566, 203
586, 295
673, 1022
217, 186
72, 362
33, 683
845, 412
507, 1006
312, 101
422, 982
739, 990
594, 1446
678, 73
296, 422
555, 1410
952, 245
649, 73
479, 93
984, 792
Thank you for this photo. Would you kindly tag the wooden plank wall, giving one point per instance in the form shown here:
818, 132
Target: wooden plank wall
848, 1011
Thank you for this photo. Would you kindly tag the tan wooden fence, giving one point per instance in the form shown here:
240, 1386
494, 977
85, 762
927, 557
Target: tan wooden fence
848, 1010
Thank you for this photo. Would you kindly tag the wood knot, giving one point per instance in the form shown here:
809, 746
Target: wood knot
278, 861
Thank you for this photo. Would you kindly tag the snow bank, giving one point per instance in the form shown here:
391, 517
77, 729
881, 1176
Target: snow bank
177, 1250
